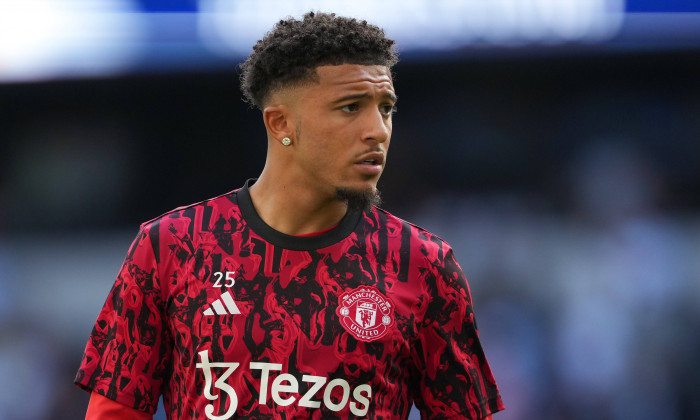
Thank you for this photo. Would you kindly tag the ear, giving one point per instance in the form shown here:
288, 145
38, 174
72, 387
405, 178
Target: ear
278, 122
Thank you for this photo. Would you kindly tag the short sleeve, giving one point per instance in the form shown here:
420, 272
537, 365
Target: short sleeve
126, 357
102, 408
454, 377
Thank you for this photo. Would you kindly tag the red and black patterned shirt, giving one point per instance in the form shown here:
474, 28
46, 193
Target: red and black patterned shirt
227, 318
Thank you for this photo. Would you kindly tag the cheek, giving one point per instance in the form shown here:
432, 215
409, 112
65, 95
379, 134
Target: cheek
321, 153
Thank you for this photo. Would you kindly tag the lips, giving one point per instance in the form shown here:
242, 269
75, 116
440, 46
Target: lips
370, 164
372, 158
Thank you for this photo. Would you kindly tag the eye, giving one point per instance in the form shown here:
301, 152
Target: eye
350, 107
388, 109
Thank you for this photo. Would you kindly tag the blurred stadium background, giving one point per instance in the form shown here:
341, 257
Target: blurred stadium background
555, 144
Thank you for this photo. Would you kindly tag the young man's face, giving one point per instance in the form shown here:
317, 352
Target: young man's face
343, 128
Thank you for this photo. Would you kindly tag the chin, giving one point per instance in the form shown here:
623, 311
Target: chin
359, 198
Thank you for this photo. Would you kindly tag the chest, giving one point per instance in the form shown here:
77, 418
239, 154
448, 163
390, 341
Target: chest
258, 302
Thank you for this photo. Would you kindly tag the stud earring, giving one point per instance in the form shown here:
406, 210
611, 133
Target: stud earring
286, 141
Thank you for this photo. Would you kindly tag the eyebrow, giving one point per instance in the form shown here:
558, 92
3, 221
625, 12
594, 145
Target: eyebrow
389, 95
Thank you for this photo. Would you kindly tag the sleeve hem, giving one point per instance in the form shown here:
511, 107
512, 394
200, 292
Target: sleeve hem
486, 408
103, 408
123, 399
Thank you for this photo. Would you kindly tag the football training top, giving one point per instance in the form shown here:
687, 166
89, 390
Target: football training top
227, 318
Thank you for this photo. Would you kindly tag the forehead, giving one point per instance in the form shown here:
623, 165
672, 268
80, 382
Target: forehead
354, 78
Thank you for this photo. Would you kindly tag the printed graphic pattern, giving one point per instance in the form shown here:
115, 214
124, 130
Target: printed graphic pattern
286, 354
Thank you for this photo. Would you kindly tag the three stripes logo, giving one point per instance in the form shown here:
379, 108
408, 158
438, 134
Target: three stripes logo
227, 307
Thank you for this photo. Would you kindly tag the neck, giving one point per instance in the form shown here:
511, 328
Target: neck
293, 208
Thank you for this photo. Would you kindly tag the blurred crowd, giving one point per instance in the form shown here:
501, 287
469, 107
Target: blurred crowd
591, 314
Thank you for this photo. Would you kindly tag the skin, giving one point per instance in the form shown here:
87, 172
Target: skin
334, 123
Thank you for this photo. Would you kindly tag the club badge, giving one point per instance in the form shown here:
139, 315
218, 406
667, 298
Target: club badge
365, 313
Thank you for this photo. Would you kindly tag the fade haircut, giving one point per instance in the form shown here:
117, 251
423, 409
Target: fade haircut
290, 53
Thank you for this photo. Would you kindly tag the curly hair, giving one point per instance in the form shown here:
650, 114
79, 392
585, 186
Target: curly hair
290, 53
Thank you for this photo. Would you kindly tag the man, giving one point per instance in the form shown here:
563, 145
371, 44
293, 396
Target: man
295, 296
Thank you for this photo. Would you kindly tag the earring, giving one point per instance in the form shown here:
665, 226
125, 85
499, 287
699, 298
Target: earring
286, 141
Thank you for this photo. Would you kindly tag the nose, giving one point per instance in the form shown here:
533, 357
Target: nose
378, 126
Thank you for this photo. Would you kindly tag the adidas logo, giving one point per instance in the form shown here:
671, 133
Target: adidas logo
219, 307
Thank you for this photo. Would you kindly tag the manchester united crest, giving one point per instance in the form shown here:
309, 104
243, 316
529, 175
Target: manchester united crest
365, 313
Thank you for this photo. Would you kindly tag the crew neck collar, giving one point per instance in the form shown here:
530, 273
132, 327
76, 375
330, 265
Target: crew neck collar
295, 243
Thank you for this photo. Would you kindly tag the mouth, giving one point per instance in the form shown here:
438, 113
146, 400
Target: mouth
370, 164
372, 158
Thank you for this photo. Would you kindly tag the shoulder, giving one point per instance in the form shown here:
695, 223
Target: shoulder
175, 235
421, 239
202, 211
433, 274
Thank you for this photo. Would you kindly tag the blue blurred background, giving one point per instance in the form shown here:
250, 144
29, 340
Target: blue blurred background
555, 144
